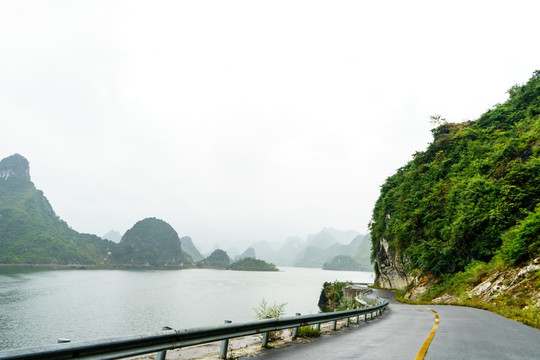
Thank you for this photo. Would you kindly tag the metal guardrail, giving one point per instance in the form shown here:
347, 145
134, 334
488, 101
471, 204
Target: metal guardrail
115, 348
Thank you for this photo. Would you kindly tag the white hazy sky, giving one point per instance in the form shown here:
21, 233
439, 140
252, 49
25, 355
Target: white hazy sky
240, 121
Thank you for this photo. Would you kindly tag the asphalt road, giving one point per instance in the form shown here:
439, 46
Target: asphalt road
463, 333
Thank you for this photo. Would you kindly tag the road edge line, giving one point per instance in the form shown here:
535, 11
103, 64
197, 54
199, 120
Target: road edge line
422, 352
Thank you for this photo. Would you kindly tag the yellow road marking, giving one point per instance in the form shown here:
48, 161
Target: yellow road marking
424, 348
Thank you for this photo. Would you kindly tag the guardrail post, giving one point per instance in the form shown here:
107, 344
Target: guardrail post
334, 326
295, 330
161, 355
318, 326
265, 337
224, 345
358, 316
348, 321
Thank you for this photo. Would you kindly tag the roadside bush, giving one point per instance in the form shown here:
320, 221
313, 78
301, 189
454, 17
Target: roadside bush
308, 332
275, 311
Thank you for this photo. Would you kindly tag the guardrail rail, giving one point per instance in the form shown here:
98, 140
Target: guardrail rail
160, 342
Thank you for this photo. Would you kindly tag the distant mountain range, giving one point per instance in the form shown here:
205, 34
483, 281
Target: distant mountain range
113, 236
31, 233
317, 249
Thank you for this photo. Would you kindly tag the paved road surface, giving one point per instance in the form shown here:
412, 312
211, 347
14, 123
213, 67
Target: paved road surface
467, 333
463, 333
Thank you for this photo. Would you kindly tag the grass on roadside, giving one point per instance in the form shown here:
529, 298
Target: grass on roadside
308, 331
519, 302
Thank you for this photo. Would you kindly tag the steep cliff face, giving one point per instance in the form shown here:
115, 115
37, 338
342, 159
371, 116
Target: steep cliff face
390, 267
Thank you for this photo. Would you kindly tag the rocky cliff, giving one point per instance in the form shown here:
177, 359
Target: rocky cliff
15, 166
390, 270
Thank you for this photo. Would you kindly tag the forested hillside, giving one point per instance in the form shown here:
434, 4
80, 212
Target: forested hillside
151, 242
472, 194
31, 232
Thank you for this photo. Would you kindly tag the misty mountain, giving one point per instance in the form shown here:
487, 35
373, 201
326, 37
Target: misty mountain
249, 253
232, 251
342, 237
218, 259
189, 248
31, 232
355, 256
362, 255
321, 240
265, 251
152, 242
113, 236
292, 246
313, 256
316, 250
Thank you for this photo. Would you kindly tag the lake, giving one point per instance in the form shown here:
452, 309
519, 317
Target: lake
37, 307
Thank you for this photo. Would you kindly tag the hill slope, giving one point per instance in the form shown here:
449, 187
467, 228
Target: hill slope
189, 248
31, 232
472, 194
153, 242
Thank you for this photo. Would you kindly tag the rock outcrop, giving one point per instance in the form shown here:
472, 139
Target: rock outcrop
15, 166
390, 267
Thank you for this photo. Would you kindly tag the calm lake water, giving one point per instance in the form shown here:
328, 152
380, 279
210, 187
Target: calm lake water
37, 307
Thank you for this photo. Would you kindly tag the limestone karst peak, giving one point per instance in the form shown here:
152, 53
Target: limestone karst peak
15, 166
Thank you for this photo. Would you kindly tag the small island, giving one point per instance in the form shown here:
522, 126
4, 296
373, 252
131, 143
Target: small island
252, 264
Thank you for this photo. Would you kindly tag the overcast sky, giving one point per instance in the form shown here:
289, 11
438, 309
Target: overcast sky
240, 121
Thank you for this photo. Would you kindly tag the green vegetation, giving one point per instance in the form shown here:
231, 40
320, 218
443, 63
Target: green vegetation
151, 242
30, 231
332, 297
343, 262
217, 260
308, 331
517, 303
251, 264
275, 311
463, 217
473, 194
